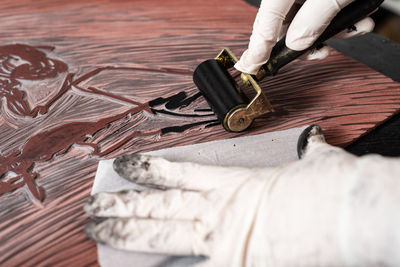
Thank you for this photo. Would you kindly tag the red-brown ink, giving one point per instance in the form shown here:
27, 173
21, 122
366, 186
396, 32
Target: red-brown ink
24, 62
58, 140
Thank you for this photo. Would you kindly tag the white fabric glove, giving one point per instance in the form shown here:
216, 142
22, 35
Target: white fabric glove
302, 22
328, 209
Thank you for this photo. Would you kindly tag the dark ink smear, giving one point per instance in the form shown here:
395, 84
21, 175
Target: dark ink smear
186, 102
161, 100
352, 28
178, 100
155, 111
182, 128
213, 123
203, 110
175, 101
319, 46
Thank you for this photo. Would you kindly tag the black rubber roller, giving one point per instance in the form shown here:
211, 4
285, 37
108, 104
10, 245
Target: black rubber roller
218, 88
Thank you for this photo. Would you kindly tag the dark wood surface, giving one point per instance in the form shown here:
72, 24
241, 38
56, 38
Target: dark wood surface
383, 140
83, 81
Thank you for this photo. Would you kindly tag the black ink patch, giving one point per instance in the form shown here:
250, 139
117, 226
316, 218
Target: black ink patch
351, 28
182, 128
178, 100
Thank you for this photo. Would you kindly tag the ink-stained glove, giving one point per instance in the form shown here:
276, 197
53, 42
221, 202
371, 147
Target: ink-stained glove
301, 21
328, 209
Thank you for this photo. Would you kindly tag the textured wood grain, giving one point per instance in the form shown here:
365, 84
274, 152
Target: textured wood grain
110, 62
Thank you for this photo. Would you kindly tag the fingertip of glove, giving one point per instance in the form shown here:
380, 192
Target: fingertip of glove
87, 206
367, 25
252, 59
245, 69
243, 66
299, 43
317, 54
89, 229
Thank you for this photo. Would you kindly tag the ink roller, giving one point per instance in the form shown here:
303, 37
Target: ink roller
225, 96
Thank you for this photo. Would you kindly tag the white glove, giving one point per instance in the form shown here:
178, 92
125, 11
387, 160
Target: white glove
302, 24
328, 209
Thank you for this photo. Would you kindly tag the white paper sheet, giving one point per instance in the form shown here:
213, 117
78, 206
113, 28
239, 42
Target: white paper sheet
263, 150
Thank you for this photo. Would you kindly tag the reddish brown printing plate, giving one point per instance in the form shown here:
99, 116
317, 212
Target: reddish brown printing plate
82, 81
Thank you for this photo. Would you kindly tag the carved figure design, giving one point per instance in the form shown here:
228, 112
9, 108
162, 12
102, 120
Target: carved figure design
17, 63
24, 62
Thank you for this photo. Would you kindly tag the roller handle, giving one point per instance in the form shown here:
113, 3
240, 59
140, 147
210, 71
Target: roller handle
348, 16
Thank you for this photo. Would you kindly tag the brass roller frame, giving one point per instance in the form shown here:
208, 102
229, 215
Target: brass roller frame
240, 117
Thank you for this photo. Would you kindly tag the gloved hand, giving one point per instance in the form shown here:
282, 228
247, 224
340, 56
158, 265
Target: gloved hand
328, 209
302, 21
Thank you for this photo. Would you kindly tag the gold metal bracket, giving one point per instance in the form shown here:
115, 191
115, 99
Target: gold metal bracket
240, 117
